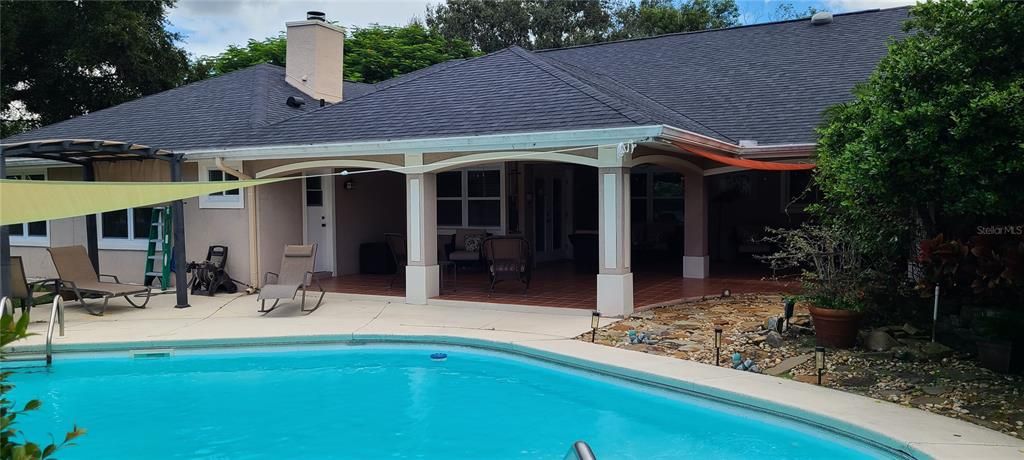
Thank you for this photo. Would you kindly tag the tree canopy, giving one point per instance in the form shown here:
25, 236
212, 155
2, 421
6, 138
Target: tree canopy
372, 54
934, 140
62, 59
537, 24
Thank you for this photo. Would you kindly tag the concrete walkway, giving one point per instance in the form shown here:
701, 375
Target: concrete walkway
542, 332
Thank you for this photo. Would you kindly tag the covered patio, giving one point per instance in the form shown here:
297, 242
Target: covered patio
558, 285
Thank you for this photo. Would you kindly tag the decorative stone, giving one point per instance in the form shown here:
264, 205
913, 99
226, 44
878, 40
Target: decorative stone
774, 340
788, 364
878, 340
933, 390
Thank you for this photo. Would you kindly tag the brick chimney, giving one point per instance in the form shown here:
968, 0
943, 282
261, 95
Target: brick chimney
314, 62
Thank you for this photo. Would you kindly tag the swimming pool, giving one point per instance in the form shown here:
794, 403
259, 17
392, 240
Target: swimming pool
375, 401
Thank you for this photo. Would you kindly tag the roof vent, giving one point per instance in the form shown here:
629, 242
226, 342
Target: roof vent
316, 16
295, 101
748, 143
821, 18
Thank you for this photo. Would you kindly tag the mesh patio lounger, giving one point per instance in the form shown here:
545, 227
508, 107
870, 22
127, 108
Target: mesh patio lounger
24, 290
297, 267
77, 275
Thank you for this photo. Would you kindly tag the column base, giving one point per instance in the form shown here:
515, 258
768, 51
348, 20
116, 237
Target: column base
696, 267
615, 294
421, 283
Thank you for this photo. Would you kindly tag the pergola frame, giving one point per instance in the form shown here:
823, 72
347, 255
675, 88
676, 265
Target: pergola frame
84, 152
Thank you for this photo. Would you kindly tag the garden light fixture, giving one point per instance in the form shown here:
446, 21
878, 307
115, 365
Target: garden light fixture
595, 322
726, 292
819, 361
718, 345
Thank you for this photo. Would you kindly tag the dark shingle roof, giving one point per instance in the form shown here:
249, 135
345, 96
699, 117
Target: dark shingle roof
765, 82
200, 114
506, 91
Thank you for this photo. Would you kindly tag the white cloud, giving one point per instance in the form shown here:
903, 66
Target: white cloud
209, 26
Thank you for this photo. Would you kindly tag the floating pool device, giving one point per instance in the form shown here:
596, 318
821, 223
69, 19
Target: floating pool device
439, 356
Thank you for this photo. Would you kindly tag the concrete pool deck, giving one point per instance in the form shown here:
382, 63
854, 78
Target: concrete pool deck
541, 332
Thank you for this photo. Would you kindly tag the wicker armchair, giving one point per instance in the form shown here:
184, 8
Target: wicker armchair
508, 258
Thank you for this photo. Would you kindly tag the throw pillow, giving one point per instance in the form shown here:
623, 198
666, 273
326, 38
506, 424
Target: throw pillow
473, 242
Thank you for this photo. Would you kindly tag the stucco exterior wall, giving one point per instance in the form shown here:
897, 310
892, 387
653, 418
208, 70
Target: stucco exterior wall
206, 227
374, 206
279, 221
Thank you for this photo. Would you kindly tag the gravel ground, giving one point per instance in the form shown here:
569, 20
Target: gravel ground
912, 373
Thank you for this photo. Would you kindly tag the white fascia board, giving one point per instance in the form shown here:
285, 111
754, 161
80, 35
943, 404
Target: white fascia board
517, 141
759, 151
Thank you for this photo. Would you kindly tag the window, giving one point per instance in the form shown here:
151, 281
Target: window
798, 191
656, 197
469, 198
124, 229
228, 199
30, 233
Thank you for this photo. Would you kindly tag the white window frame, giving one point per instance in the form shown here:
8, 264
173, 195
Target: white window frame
220, 201
465, 199
25, 239
132, 243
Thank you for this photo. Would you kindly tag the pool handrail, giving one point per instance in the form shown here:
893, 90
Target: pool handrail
580, 450
56, 313
7, 306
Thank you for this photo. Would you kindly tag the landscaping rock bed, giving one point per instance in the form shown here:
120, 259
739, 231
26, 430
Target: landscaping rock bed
902, 365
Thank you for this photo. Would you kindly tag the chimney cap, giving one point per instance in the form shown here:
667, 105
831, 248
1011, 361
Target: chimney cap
316, 16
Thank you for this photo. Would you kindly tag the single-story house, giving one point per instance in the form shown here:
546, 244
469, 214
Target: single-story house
607, 154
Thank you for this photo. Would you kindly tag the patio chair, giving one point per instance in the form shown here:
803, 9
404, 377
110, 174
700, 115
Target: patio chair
23, 290
508, 258
77, 275
297, 265
396, 243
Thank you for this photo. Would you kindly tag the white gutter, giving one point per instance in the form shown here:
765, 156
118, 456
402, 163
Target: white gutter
516, 141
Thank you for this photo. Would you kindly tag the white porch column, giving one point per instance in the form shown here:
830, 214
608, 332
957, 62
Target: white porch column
614, 280
695, 233
421, 274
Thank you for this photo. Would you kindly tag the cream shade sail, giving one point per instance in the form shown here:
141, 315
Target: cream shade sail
30, 201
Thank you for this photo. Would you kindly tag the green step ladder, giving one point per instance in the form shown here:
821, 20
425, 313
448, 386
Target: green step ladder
159, 247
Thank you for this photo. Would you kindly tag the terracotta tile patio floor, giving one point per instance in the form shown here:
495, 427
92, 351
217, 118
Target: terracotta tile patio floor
557, 285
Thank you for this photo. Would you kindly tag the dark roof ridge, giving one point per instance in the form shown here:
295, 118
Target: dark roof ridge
635, 97
720, 29
610, 101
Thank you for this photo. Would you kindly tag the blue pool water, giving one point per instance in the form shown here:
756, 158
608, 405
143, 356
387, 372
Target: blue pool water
378, 401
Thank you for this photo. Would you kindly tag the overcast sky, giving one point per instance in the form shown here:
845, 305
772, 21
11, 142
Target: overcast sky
209, 26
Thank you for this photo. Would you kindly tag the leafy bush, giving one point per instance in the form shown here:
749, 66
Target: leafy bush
834, 271
12, 448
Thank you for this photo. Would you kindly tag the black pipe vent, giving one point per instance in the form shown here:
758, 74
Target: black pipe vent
316, 16
295, 101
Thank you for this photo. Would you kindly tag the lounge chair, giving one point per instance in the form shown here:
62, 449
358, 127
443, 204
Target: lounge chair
508, 258
25, 291
297, 267
396, 244
76, 274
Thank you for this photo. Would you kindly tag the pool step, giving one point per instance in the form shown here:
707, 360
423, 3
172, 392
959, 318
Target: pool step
26, 360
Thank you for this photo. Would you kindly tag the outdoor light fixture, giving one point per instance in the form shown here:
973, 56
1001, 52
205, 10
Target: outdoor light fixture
726, 292
595, 321
718, 344
350, 185
819, 361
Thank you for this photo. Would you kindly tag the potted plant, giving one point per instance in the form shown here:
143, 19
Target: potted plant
833, 274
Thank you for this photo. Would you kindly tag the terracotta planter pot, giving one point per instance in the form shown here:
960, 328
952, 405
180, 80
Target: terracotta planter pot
835, 328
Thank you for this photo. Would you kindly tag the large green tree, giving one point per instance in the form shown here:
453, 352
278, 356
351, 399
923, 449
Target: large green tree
65, 58
934, 140
539, 24
655, 17
372, 54
491, 26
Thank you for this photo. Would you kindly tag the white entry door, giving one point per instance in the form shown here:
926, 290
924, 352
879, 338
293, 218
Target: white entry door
318, 204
